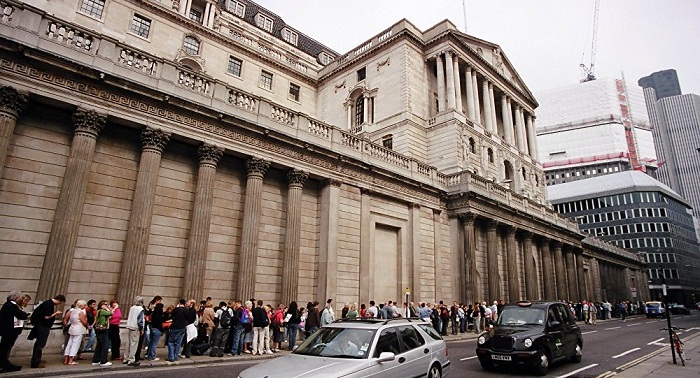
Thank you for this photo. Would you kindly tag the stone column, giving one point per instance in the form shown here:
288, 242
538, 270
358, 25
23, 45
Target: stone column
468, 83
492, 101
571, 275
458, 84
512, 257
507, 128
416, 252
550, 289
60, 250
520, 138
477, 105
440, 83
510, 123
494, 290
449, 66
365, 109
487, 106
350, 108
521, 118
292, 237
439, 292
530, 273
251, 223
560, 270
468, 260
195, 269
328, 241
532, 137
153, 142
581, 274
11, 104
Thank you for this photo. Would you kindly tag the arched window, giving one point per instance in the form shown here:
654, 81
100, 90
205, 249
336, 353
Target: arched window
508, 170
191, 45
490, 153
359, 110
472, 145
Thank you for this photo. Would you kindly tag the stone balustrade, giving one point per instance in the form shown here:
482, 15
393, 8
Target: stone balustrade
350, 141
243, 100
194, 82
282, 115
138, 61
378, 152
69, 36
6, 10
320, 130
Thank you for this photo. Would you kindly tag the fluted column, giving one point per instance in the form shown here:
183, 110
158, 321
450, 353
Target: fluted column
11, 104
512, 257
469, 84
292, 236
532, 137
581, 274
449, 66
492, 101
521, 118
440, 83
458, 84
550, 290
153, 142
195, 269
365, 109
477, 104
251, 222
560, 275
520, 138
468, 260
530, 273
494, 289
571, 276
507, 130
487, 105
513, 138
60, 250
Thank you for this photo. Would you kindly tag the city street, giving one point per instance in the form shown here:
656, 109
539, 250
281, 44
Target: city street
610, 347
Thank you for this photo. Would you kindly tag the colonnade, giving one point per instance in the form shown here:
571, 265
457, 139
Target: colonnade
517, 123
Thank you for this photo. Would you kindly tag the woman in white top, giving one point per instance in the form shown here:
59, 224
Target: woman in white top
78, 327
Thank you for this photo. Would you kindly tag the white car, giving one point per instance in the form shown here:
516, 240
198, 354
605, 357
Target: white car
363, 348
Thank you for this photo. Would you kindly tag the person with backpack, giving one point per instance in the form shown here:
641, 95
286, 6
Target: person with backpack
242, 325
222, 325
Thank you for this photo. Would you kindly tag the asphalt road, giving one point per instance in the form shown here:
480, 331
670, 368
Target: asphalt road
607, 346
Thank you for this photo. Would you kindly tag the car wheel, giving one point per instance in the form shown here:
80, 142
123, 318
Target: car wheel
542, 364
434, 372
578, 353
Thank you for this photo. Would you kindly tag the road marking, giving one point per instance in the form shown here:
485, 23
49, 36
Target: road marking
586, 333
467, 358
632, 325
608, 329
655, 341
607, 374
578, 371
628, 352
640, 359
653, 321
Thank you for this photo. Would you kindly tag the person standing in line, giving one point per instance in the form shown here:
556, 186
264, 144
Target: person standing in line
90, 312
101, 329
476, 316
293, 323
593, 310
177, 330
328, 315
12, 319
222, 323
77, 327
135, 325
115, 339
157, 319
260, 324
42, 319
313, 318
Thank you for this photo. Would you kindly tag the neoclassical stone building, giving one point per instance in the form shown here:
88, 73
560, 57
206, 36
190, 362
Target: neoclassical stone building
193, 148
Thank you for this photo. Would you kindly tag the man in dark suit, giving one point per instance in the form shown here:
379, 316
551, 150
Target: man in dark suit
43, 318
9, 331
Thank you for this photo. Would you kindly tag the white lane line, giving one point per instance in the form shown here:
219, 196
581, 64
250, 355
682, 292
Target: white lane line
628, 352
468, 358
653, 321
655, 341
578, 371
635, 324
586, 333
608, 329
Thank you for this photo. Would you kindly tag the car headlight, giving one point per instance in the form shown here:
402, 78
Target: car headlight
481, 340
528, 343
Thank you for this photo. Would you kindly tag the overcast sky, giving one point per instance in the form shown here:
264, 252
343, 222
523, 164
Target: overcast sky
546, 40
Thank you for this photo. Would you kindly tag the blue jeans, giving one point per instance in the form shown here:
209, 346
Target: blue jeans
91, 340
238, 338
155, 337
174, 343
292, 331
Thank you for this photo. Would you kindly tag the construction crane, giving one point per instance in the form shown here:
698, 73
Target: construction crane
589, 71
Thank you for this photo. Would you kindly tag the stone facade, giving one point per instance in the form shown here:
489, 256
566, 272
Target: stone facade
409, 162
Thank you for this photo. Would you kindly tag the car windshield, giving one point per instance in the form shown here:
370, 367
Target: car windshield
338, 343
520, 316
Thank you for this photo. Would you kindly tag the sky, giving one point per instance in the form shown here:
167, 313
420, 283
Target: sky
546, 40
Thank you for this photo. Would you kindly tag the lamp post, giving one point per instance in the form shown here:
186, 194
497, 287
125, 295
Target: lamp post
668, 317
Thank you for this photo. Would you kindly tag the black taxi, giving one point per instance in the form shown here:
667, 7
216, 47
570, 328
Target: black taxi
531, 334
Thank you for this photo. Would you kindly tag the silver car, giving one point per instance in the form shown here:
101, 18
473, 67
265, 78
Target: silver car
363, 348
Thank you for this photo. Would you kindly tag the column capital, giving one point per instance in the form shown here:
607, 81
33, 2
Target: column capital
491, 225
544, 240
557, 244
154, 139
527, 235
11, 101
297, 177
333, 182
510, 230
88, 121
256, 166
467, 217
209, 154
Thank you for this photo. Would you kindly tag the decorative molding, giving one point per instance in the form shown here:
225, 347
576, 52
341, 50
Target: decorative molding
154, 139
209, 154
257, 167
338, 86
88, 121
385, 62
297, 177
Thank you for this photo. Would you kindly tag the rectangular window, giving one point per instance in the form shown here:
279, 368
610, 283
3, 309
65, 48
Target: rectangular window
195, 15
290, 36
294, 92
266, 80
237, 8
93, 8
234, 66
361, 73
264, 22
140, 26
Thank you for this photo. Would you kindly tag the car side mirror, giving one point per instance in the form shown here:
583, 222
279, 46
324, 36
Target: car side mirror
386, 357
553, 324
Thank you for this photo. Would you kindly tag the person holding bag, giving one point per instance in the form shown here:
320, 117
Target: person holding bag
101, 327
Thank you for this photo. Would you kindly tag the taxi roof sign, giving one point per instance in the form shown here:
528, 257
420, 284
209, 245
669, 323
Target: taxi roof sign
524, 303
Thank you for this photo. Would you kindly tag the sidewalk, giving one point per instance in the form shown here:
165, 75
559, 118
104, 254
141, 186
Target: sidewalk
660, 363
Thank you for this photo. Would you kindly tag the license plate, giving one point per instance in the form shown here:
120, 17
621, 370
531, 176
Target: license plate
498, 357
